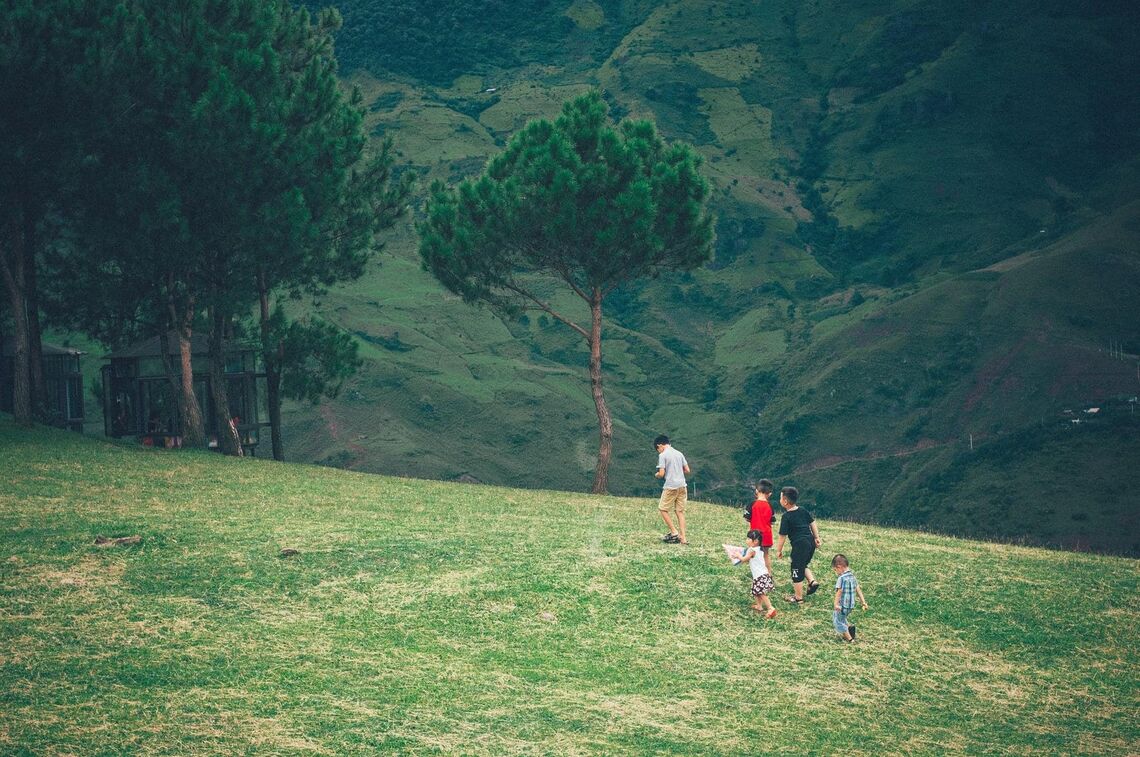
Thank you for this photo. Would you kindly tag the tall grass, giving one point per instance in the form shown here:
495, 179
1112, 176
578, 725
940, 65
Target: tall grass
432, 618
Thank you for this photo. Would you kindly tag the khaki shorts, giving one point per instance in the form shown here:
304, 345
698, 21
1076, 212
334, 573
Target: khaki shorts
674, 498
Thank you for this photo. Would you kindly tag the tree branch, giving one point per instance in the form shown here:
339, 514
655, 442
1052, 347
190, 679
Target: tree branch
564, 272
546, 308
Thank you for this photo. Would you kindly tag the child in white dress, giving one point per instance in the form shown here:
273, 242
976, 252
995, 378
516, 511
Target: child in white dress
762, 582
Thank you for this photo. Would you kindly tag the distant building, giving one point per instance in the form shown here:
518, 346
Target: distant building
139, 399
63, 383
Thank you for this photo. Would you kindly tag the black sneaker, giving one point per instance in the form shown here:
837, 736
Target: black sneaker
851, 630
671, 538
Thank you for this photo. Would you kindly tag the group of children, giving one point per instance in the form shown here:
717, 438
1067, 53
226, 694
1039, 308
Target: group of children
798, 528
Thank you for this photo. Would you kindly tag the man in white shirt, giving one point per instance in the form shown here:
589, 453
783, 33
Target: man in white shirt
672, 467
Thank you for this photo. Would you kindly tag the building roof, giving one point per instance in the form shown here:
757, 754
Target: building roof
8, 348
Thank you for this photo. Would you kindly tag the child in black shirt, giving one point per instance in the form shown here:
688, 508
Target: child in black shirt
798, 527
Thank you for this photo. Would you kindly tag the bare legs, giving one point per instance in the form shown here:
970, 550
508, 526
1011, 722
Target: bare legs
762, 603
672, 529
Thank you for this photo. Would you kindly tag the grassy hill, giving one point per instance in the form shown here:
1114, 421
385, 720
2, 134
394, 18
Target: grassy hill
437, 618
926, 246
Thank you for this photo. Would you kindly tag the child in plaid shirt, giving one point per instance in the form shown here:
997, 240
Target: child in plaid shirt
846, 589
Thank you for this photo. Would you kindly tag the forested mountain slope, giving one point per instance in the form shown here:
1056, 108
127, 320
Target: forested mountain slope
926, 264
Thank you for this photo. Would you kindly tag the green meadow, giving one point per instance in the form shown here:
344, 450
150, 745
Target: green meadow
421, 617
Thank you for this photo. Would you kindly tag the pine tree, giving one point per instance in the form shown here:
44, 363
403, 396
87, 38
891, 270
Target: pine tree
577, 199
51, 59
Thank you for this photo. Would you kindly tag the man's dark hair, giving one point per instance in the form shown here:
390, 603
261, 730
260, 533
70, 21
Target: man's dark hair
662, 439
839, 561
765, 486
791, 492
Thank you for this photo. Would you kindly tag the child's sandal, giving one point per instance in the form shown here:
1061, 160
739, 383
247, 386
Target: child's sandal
813, 587
793, 599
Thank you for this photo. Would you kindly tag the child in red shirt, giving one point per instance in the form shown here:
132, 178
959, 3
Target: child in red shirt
762, 518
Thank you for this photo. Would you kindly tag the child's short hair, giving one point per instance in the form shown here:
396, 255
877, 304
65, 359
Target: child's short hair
755, 535
765, 486
839, 561
791, 492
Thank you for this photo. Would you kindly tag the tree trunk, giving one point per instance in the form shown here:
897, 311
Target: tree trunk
271, 356
168, 365
12, 260
173, 377
193, 428
605, 423
37, 384
228, 441
182, 318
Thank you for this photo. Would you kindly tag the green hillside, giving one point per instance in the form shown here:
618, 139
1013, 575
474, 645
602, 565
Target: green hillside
425, 617
963, 406
926, 246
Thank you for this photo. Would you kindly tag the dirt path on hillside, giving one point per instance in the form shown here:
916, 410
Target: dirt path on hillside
833, 461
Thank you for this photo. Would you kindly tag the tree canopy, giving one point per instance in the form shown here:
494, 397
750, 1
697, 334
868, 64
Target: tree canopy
223, 164
52, 67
